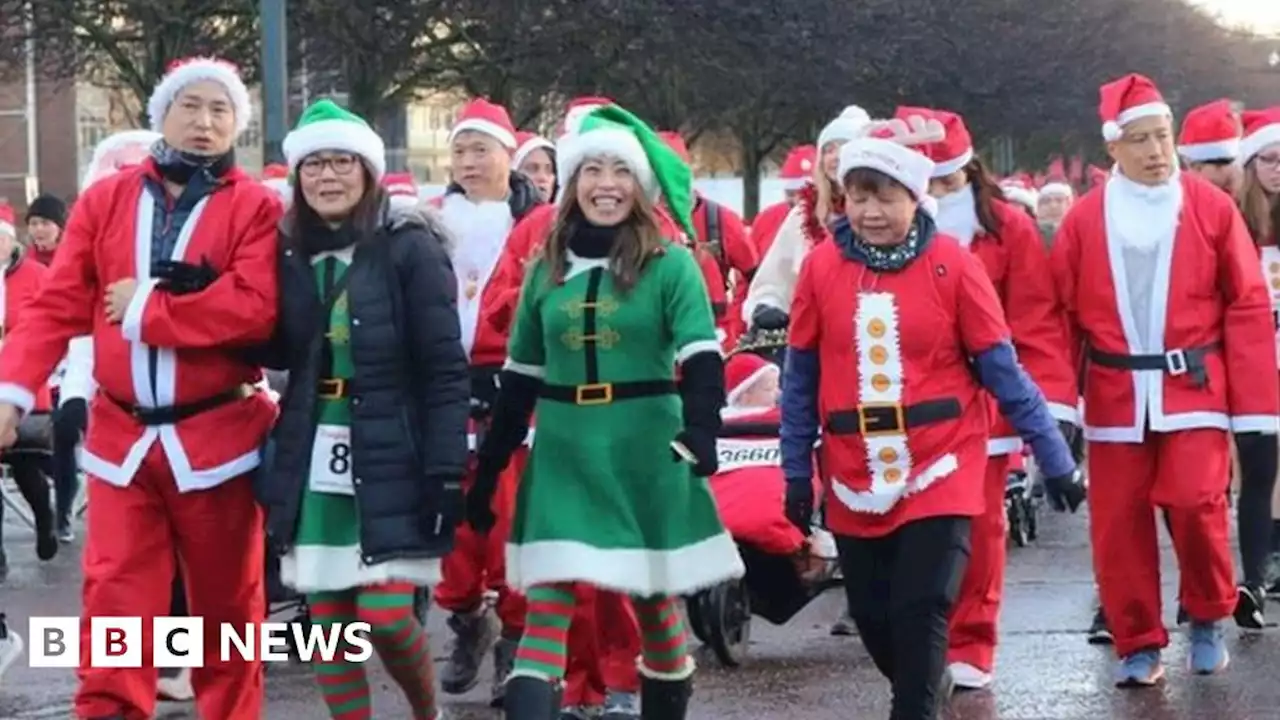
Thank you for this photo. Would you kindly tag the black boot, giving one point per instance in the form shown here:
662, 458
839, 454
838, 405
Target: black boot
531, 698
664, 699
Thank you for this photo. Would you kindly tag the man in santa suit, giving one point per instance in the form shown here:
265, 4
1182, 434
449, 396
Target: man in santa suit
480, 207
1210, 144
402, 189
796, 174
170, 265
724, 252
276, 177
1168, 309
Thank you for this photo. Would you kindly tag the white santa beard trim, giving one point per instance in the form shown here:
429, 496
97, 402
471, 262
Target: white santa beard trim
17, 396
605, 142
492, 129
954, 165
195, 71
1205, 152
1056, 189
1112, 130
527, 149
745, 386
634, 571
1256, 142
340, 135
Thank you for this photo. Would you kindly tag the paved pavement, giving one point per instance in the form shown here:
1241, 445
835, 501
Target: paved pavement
1046, 669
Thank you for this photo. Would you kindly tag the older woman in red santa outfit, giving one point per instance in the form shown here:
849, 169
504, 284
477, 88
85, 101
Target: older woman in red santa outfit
897, 336
972, 209
796, 174
1168, 309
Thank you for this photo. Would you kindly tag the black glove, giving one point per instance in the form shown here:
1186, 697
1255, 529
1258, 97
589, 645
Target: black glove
509, 419
1065, 493
767, 317
799, 504
70, 421
182, 278
479, 500
702, 394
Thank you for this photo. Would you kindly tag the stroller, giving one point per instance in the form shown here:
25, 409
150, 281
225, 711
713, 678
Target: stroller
774, 587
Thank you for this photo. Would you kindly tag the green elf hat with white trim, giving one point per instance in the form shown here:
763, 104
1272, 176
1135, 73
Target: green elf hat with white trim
328, 126
611, 131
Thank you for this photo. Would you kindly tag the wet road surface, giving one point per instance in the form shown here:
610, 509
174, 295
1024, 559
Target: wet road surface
798, 672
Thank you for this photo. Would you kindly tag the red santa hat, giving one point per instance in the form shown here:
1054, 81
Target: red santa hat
1017, 191
117, 152
526, 143
400, 184
8, 218
579, 108
1057, 187
488, 118
954, 151
1210, 132
1261, 130
275, 171
1127, 99
848, 125
677, 144
890, 148
742, 371
797, 169
182, 73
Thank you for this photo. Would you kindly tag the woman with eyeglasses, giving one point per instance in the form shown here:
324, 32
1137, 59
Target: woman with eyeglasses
1259, 505
362, 487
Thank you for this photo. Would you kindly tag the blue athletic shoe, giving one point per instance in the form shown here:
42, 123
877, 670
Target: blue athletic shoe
1208, 649
1141, 669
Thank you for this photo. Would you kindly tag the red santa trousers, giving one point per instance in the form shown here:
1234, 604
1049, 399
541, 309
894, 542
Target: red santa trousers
128, 571
604, 642
478, 562
974, 617
1183, 473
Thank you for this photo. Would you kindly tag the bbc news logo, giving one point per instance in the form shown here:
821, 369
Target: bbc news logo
180, 642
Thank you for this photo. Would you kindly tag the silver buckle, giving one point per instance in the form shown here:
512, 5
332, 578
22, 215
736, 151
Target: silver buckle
1175, 362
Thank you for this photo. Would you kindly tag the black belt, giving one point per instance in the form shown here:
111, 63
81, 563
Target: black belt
873, 419
755, 429
332, 388
1183, 361
605, 393
171, 414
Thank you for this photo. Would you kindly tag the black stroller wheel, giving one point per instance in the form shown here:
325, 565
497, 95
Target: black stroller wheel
696, 610
1033, 519
731, 624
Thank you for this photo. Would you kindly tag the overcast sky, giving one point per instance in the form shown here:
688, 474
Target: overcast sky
1261, 14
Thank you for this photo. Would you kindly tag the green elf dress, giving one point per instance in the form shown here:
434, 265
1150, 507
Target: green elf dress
326, 554
603, 500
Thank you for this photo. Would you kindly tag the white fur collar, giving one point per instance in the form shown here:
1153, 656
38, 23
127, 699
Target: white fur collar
1142, 216
957, 215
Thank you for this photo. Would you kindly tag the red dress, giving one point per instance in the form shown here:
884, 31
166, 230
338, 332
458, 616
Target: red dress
896, 346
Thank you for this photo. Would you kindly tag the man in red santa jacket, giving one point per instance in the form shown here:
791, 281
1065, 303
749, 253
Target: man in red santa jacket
170, 266
1168, 308
1210, 144
480, 207
1006, 240
796, 174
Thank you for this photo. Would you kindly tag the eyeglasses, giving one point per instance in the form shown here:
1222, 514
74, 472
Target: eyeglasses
314, 166
1268, 161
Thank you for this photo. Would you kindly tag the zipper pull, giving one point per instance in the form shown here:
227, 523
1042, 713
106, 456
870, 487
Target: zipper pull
439, 522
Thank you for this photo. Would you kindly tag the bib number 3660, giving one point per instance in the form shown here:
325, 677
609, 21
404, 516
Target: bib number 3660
331, 461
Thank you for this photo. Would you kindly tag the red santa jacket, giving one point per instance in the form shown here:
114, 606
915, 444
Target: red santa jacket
766, 224
193, 338
1209, 292
1019, 269
899, 348
727, 269
22, 279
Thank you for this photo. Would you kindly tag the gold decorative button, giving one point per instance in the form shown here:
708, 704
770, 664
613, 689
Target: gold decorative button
893, 475
879, 355
1274, 267
876, 328
1275, 283
880, 382
888, 456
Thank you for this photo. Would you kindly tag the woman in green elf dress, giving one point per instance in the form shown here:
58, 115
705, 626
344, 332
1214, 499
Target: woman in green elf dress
614, 494
363, 489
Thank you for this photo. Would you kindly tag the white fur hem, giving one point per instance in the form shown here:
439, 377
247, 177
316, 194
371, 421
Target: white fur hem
340, 135
317, 568
1204, 152
634, 571
18, 396
684, 673
1253, 144
953, 165
219, 71
605, 142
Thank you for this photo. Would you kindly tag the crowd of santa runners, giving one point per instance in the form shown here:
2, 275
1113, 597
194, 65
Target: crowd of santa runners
519, 395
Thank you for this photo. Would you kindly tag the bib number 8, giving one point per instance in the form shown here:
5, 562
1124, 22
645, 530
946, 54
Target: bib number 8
340, 459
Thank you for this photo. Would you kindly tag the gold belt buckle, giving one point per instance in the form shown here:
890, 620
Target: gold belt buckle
593, 394
339, 386
865, 422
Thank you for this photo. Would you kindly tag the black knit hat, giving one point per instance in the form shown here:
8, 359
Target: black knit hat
50, 208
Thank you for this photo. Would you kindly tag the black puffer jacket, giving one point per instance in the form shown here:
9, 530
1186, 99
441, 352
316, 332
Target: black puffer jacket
409, 397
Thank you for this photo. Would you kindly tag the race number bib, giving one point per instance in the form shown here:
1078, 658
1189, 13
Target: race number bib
1271, 271
738, 454
331, 461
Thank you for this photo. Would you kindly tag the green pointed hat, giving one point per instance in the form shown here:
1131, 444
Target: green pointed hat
613, 132
325, 125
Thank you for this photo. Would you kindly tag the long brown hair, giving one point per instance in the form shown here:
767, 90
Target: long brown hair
639, 238
830, 194
1261, 210
364, 217
986, 192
